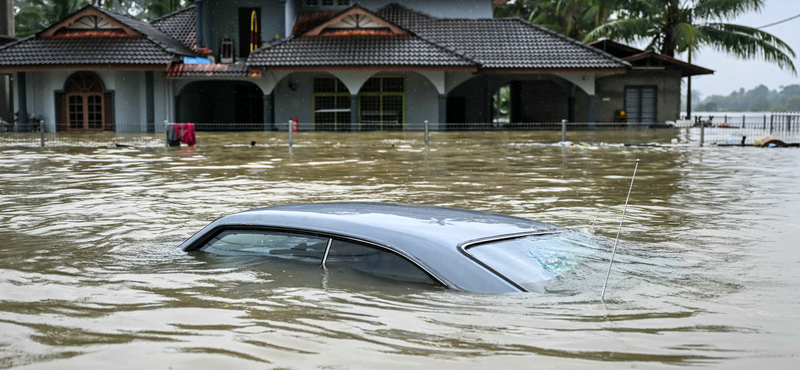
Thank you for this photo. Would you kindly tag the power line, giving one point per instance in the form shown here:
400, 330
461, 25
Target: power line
778, 22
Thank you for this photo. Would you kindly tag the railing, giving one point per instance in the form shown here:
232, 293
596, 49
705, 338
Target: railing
727, 129
689, 133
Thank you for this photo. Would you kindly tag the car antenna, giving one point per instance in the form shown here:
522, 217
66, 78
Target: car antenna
614, 251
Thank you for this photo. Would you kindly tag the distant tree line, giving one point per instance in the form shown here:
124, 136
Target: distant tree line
759, 99
32, 16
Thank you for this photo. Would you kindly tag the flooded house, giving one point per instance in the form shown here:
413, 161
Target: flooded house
333, 65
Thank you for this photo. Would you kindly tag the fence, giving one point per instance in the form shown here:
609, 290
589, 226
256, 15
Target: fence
785, 128
738, 129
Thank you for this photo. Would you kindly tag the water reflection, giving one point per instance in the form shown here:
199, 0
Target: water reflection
89, 273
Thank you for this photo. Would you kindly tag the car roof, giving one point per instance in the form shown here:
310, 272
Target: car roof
428, 235
377, 221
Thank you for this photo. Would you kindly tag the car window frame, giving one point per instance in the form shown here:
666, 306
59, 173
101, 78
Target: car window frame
465, 246
202, 241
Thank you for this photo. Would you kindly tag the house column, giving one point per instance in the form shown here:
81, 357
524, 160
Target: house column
282, 16
198, 23
149, 95
442, 111
269, 120
23, 98
353, 113
590, 114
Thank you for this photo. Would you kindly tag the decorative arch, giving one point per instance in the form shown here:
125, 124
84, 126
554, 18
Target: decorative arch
84, 104
356, 21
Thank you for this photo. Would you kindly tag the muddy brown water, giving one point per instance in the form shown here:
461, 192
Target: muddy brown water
90, 277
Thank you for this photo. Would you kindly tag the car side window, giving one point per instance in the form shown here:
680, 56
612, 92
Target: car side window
268, 244
375, 261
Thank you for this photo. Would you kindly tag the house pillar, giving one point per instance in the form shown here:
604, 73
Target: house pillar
282, 16
7, 17
590, 114
269, 120
23, 97
150, 106
198, 23
442, 111
354, 113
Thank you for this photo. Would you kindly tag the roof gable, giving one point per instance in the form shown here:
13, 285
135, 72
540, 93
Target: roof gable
92, 22
356, 21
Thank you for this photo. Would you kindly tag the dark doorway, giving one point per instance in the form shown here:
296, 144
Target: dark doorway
249, 30
456, 112
221, 106
249, 104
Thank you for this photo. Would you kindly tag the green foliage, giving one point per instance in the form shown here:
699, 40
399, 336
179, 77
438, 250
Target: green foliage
673, 26
759, 99
669, 26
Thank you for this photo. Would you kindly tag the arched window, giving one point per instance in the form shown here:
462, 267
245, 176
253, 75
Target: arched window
84, 105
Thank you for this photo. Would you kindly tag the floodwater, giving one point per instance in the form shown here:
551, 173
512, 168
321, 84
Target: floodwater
708, 269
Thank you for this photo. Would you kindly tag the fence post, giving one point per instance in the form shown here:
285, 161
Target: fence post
291, 129
563, 130
771, 123
166, 133
788, 123
41, 132
743, 120
765, 123
426, 132
702, 133
726, 118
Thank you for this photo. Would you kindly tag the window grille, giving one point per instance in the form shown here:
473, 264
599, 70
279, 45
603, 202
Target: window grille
382, 104
331, 105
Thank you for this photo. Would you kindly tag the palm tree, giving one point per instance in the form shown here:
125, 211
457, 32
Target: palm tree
573, 18
677, 26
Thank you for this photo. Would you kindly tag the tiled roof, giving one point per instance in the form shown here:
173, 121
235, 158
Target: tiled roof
151, 33
179, 25
207, 70
154, 47
356, 51
504, 42
31, 51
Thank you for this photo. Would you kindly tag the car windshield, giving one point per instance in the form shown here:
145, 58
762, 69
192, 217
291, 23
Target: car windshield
531, 260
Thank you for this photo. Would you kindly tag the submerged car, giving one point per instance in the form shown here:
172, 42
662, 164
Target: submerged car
453, 248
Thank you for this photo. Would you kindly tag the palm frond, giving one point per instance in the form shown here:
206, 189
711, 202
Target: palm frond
721, 9
749, 43
627, 30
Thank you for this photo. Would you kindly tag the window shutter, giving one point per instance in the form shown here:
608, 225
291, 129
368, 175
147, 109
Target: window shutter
61, 111
108, 111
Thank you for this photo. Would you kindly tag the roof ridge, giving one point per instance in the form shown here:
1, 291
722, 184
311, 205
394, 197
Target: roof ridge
139, 23
451, 50
172, 14
570, 40
403, 7
10, 44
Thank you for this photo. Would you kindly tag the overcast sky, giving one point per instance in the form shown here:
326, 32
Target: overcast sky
731, 73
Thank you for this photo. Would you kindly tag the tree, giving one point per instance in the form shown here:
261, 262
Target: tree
36, 15
677, 26
573, 18
777, 107
793, 103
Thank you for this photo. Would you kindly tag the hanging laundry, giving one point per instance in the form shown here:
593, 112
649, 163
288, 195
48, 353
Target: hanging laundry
185, 133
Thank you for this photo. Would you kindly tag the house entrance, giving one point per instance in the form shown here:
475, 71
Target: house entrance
84, 105
221, 106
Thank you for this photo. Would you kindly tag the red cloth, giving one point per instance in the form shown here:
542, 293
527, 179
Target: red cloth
185, 133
